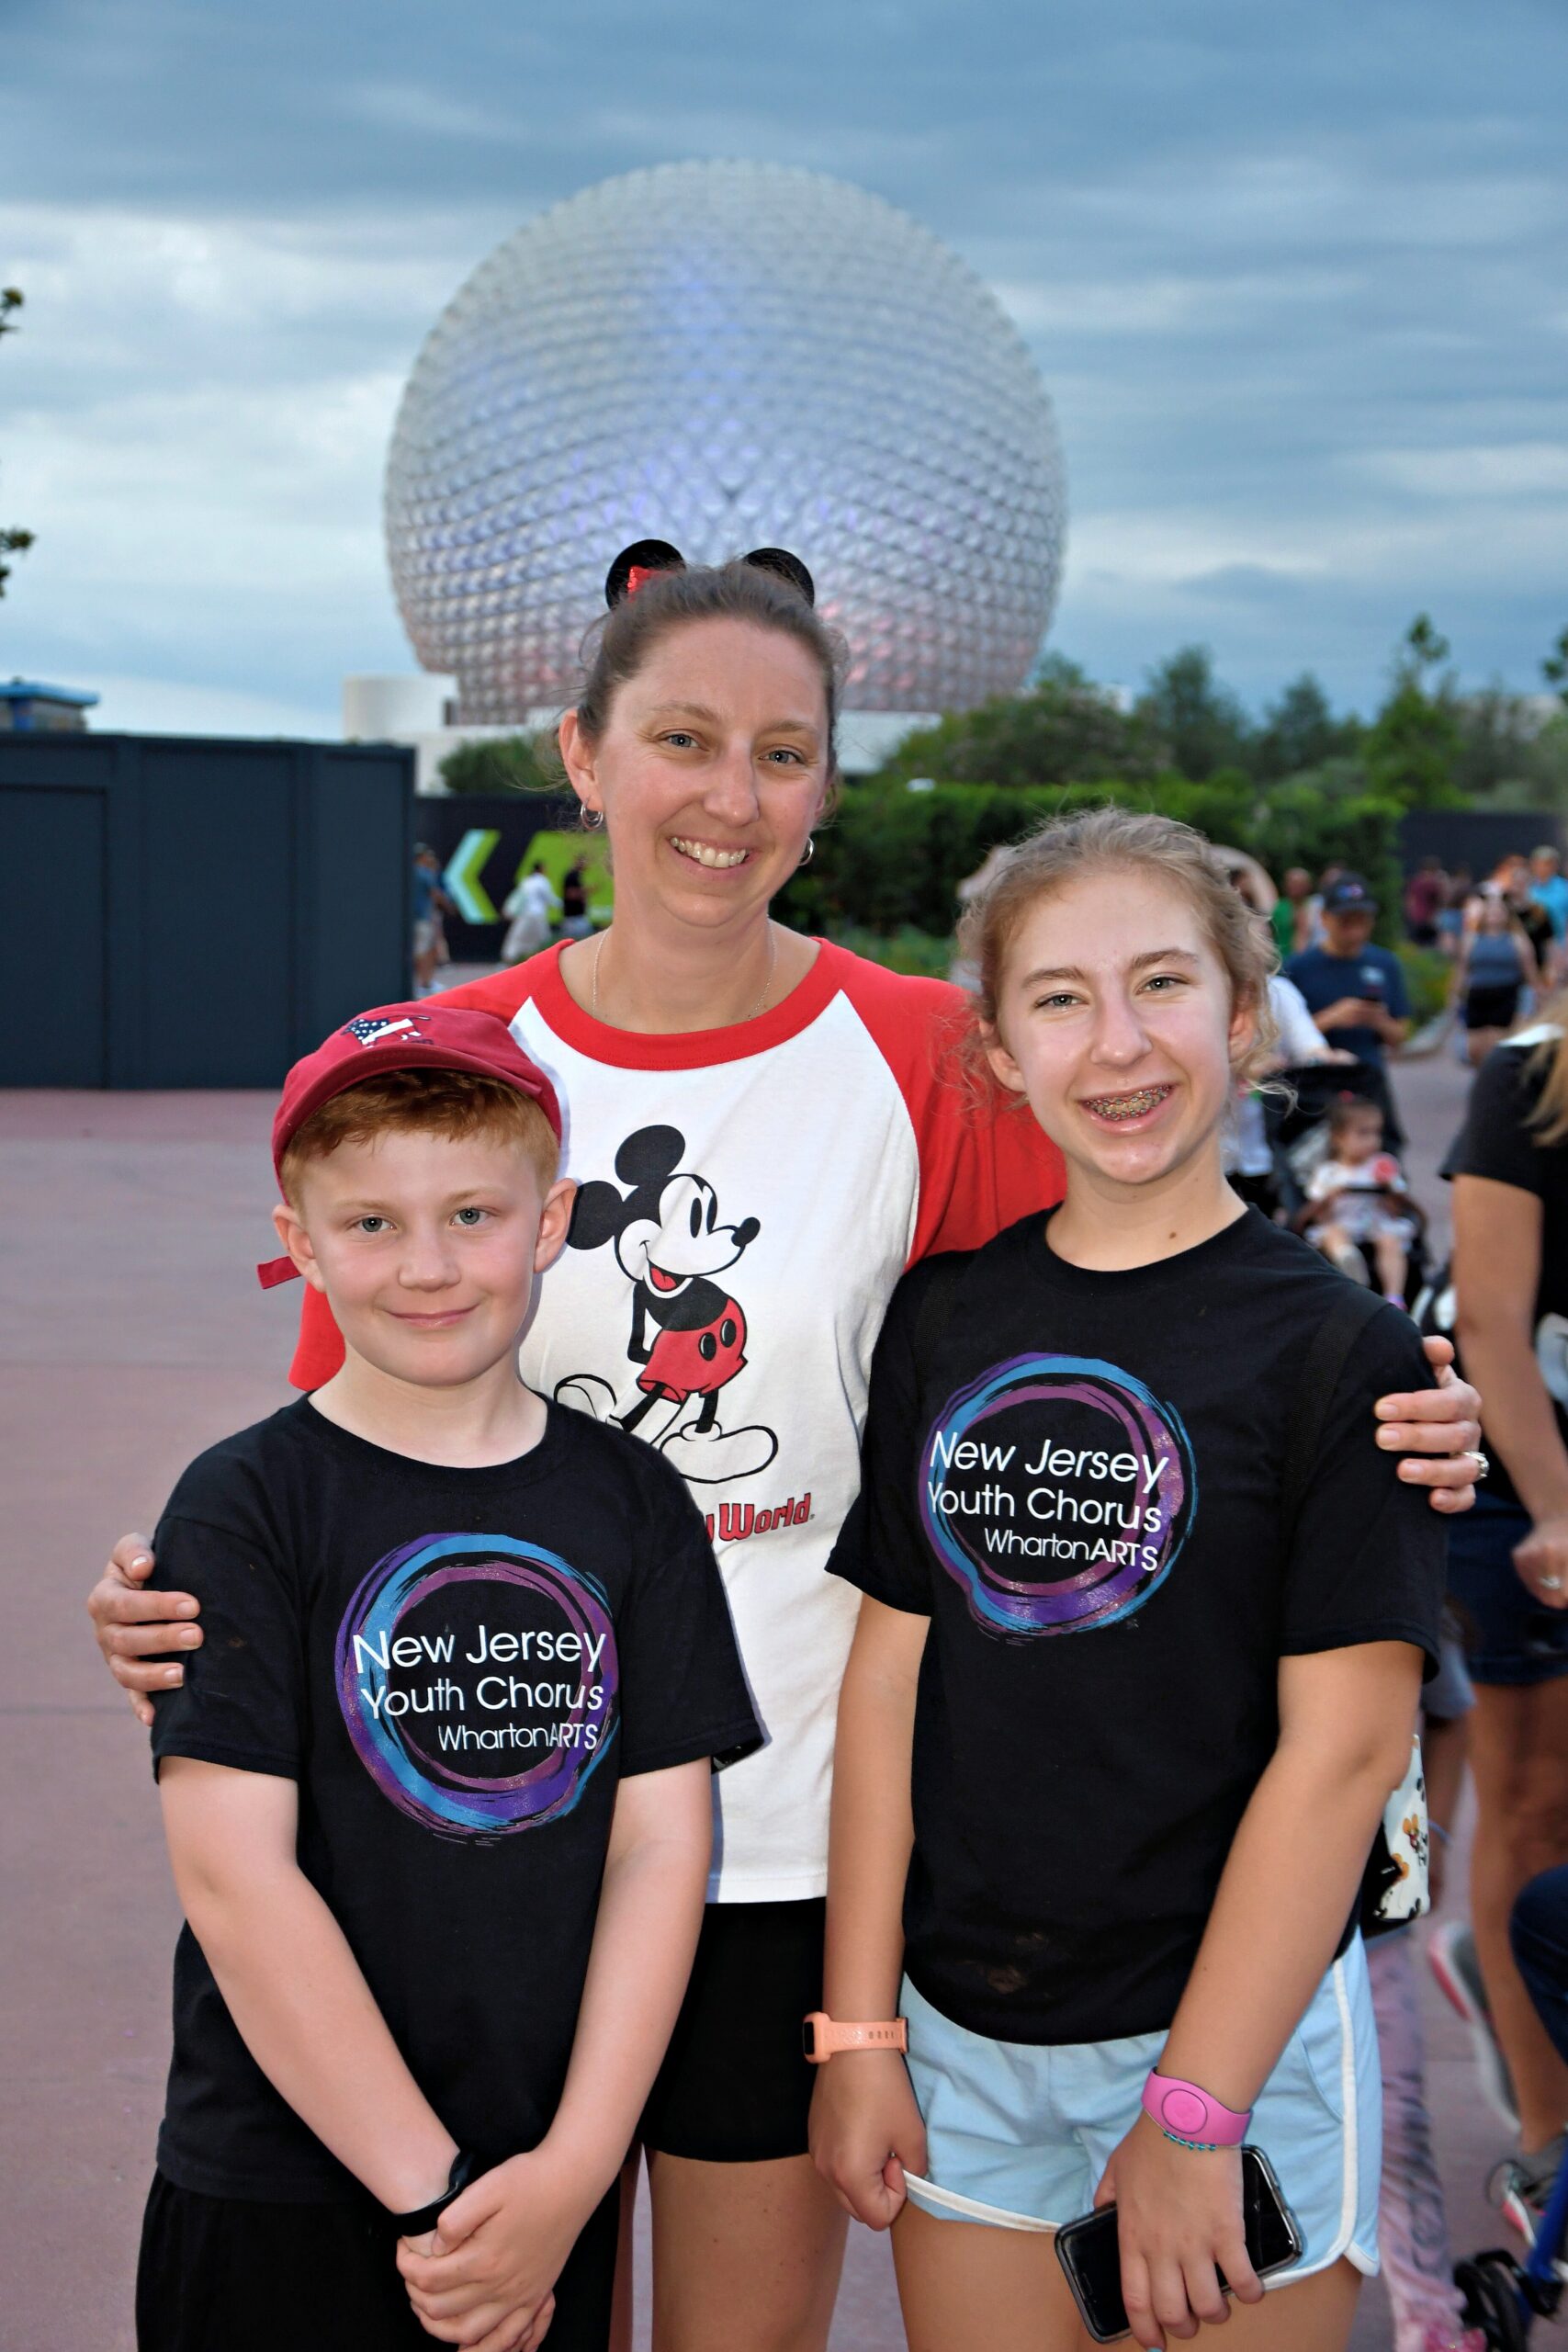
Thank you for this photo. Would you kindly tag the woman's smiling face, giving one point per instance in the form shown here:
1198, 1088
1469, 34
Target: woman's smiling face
1114, 1020
710, 773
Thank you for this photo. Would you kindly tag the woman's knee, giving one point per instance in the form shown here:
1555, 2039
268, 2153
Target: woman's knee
1521, 1780
1534, 1829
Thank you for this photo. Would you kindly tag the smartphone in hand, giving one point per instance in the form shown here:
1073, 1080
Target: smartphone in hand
1088, 2251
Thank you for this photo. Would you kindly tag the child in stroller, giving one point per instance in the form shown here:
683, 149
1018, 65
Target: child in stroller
1357, 1200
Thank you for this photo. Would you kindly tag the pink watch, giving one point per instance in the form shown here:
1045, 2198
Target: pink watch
1191, 2117
824, 2037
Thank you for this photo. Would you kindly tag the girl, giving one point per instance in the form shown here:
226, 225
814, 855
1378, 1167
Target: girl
1113, 1871
1496, 965
764, 1142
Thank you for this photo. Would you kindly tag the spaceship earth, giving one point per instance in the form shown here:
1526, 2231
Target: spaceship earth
727, 356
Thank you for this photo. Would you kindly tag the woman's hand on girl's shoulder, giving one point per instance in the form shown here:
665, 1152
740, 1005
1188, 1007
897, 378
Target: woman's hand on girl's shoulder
1439, 1432
867, 2132
1178, 2222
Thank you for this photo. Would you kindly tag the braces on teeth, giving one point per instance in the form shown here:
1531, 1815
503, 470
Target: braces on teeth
1128, 1106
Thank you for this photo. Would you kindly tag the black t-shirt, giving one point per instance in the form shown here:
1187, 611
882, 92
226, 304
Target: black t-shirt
1497, 1141
1098, 1456
1535, 924
457, 1667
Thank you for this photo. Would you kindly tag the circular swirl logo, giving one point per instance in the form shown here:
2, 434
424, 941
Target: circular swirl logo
478, 1677
1057, 1491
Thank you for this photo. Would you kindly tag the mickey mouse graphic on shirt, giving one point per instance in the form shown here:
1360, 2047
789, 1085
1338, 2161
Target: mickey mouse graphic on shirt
688, 1335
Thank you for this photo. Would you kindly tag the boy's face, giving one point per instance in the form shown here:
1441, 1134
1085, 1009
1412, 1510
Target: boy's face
426, 1248
1348, 930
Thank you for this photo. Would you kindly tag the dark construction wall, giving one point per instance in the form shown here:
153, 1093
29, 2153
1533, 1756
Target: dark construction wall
187, 913
1477, 838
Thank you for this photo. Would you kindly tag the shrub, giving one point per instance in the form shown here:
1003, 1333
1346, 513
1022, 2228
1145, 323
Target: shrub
893, 858
503, 763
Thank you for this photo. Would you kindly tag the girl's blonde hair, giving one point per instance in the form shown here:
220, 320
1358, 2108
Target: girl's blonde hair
1549, 1062
1103, 841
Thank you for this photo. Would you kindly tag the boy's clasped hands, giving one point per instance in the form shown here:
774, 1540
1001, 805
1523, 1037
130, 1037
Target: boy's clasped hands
484, 2276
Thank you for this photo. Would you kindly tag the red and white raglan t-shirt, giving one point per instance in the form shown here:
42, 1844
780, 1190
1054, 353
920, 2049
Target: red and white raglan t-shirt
750, 1196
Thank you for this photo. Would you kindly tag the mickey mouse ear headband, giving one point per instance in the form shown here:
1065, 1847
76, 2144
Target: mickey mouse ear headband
636, 564
639, 563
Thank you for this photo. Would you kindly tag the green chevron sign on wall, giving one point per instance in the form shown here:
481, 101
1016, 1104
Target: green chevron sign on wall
461, 879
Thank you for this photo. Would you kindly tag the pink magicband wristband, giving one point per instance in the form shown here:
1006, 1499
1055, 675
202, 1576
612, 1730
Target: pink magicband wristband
1192, 2117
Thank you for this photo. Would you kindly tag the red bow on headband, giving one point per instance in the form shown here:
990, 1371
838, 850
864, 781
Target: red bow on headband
639, 575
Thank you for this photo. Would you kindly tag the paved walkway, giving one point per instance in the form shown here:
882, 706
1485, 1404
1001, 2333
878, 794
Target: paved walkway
132, 1334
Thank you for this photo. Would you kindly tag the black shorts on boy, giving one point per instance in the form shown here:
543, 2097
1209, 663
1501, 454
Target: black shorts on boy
456, 1668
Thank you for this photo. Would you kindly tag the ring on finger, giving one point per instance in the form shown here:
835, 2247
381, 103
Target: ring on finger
1550, 1584
1483, 1465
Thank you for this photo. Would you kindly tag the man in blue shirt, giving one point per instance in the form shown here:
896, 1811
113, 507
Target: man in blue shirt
1549, 889
1354, 990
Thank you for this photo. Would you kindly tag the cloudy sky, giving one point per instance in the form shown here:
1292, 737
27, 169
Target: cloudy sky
1297, 281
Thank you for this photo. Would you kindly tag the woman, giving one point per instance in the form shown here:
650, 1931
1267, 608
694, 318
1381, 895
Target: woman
1508, 1564
1148, 1677
1495, 966
765, 1137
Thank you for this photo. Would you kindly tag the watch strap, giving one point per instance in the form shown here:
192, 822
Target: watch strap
466, 2167
826, 2037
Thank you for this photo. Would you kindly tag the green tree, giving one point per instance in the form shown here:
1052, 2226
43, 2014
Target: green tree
14, 541
1061, 731
1497, 733
503, 763
1300, 731
1424, 648
1412, 750
1332, 814
893, 858
1554, 668
1199, 724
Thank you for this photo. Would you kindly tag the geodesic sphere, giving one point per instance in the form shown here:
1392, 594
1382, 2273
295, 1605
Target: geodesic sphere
727, 356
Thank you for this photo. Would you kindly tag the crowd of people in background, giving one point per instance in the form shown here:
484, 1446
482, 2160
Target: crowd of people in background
1323, 1157
534, 914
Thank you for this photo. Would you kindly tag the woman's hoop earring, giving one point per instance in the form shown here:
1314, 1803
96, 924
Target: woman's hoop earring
810, 850
592, 818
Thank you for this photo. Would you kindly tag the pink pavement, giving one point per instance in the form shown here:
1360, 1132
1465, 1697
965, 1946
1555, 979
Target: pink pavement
132, 1334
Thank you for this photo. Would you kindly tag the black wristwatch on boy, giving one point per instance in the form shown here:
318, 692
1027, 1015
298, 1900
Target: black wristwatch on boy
466, 2165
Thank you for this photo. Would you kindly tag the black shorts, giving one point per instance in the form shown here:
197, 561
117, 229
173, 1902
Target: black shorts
1491, 1008
229, 2274
735, 2087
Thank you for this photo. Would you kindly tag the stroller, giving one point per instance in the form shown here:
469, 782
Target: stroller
1297, 1126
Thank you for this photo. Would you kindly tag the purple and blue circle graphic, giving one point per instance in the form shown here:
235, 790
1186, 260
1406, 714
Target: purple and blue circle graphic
433, 1681
1057, 1492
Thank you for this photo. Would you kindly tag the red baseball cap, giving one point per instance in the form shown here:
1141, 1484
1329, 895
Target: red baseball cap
427, 1036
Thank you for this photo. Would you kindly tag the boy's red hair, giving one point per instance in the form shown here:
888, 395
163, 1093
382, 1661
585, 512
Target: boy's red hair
457, 1103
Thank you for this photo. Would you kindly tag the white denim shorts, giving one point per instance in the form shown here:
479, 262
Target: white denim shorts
1019, 2134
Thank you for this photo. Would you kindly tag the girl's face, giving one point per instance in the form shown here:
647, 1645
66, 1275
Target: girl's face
1114, 1020
711, 771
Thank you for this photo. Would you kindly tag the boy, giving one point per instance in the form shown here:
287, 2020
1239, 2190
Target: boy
436, 1788
1358, 1195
